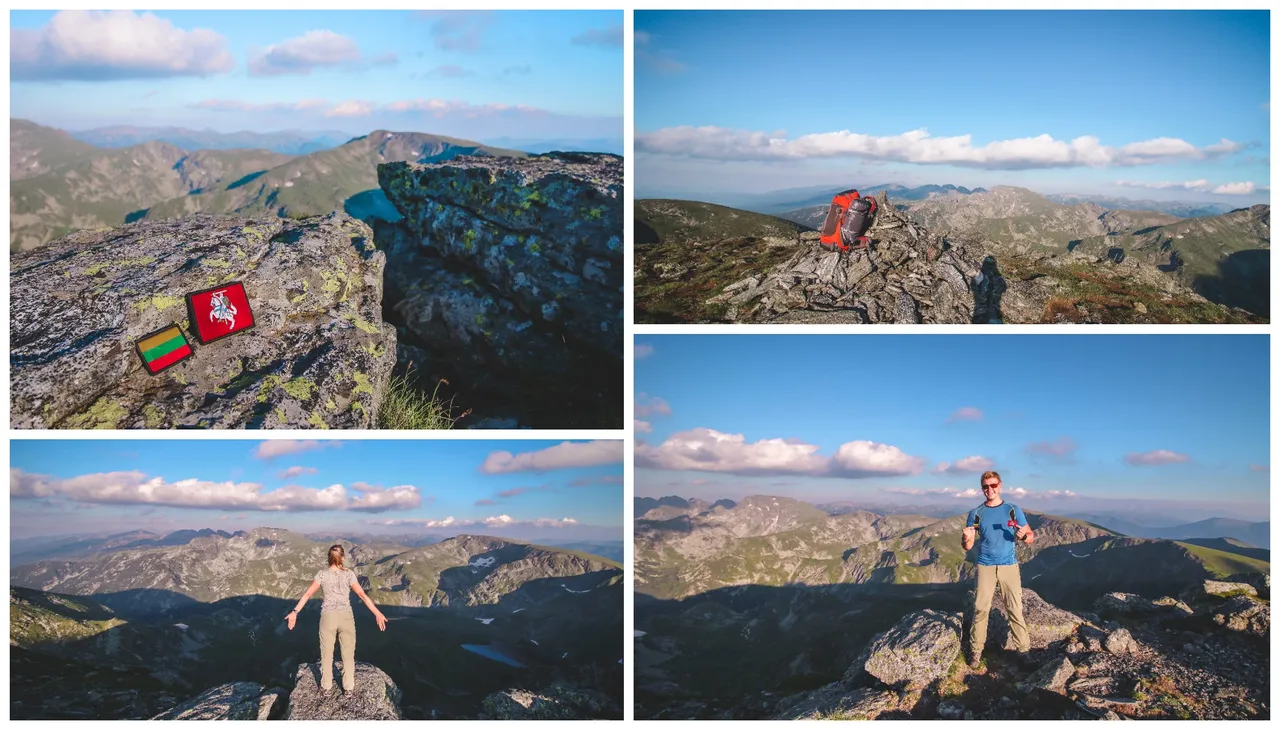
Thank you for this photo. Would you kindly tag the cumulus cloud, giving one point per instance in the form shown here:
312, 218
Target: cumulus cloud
1155, 458
567, 455
643, 426
497, 521
1237, 188
705, 449
139, 489
315, 49
86, 45
642, 351
457, 30
1190, 185
295, 471
363, 487
968, 413
650, 405
440, 108
918, 147
1061, 449
283, 447
967, 465
351, 108
603, 38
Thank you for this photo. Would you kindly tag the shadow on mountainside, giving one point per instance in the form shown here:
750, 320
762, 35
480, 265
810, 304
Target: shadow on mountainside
1243, 280
183, 647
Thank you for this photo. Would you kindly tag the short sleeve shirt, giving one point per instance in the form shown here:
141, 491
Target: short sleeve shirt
996, 537
337, 589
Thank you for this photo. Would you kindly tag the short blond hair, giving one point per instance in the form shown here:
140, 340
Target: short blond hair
988, 474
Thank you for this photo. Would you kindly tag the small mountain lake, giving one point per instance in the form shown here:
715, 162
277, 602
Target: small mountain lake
489, 652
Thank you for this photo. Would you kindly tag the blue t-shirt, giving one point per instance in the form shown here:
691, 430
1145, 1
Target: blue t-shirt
996, 539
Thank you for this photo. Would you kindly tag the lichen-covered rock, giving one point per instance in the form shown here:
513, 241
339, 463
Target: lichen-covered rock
375, 697
1223, 589
838, 702
913, 653
1246, 614
234, 701
1052, 677
1261, 582
1120, 641
507, 272
319, 354
1123, 604
558, 702
1046, 623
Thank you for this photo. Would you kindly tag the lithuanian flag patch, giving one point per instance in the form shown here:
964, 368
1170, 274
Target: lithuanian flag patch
163, 348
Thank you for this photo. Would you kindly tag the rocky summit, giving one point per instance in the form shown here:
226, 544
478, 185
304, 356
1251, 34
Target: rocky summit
507, 272
374, 697
233, 701
503, 275
319, 354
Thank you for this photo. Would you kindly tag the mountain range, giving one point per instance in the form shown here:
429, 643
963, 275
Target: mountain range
788, 593
469, 615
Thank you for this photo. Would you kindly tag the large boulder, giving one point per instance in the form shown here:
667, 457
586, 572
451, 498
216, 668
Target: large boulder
1261, 582
234, 701
319, 354
838, 702
1046, 623
375, 697
917, 650
508, 273
558, 702
1245, 614
1052, 677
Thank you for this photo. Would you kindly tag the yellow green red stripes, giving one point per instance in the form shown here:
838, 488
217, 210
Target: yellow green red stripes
163, 348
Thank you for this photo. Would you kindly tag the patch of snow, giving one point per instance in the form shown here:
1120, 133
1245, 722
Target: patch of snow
638, 633
390, 135
184, 627
535, 643
565, 656
1073, 554
483, 562
567, 588
485, 621
518, 610
288, 184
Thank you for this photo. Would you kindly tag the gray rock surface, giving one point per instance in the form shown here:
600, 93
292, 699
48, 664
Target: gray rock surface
1123, 604
375, 697
558, 702
1046, 623
319, 355
913, 653
1051, 677
836, 701
234, 701
1260, 581
1246, 614
1120, 641
1223, 589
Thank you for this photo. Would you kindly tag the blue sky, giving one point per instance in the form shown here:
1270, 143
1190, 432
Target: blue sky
1123, 78
1172, 420
521, 74
388, 487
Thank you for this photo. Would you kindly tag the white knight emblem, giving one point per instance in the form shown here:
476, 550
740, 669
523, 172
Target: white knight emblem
222, 310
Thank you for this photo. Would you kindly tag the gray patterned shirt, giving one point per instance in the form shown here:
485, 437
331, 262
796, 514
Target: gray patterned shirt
337, 589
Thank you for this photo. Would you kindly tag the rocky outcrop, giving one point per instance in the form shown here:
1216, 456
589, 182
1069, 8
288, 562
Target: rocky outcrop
837, 702
507, 272
558, 702
1046, 623
919, 649
375, 697
1051, 677
234, 701
319, 354
1246, 614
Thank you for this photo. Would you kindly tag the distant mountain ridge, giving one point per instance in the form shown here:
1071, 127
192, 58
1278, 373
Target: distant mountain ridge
286, 142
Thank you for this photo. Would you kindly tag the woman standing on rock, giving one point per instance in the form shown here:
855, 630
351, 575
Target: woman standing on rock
336, 618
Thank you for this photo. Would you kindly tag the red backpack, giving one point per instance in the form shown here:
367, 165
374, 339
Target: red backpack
847, 221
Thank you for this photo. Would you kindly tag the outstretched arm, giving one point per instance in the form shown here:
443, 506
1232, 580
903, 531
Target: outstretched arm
293, 615
377, 615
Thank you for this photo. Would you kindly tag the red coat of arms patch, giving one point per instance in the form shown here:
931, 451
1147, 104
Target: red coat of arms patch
220, 311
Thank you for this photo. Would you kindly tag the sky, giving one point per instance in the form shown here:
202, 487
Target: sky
1144, 104
1175, 424
518, 489
476, 75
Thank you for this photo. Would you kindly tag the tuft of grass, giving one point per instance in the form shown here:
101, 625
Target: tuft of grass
405, 406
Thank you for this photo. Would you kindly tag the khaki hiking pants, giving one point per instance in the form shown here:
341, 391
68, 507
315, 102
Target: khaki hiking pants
1010, 582
340, 625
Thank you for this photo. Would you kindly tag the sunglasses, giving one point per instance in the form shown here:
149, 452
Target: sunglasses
991, 486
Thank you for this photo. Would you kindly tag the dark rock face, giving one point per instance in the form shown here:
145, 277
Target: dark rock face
235, 701
376, 696
919, 649
507, 272
319, 355
837, 701
559, 702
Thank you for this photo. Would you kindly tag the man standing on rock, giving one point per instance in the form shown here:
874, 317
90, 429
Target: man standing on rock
998, 525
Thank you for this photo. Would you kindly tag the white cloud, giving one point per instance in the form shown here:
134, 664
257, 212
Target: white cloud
968, 413
439, 108
642, 351
651, 405
1155, 458
229, 105
137, 488
495, 522
918, 147
643, 426
967, 465
351, 108
1011, 492
1190, 185
1236, 188
567, 455
295, 471
282, 447
968, 493
85, 45
704, 449
314, 49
